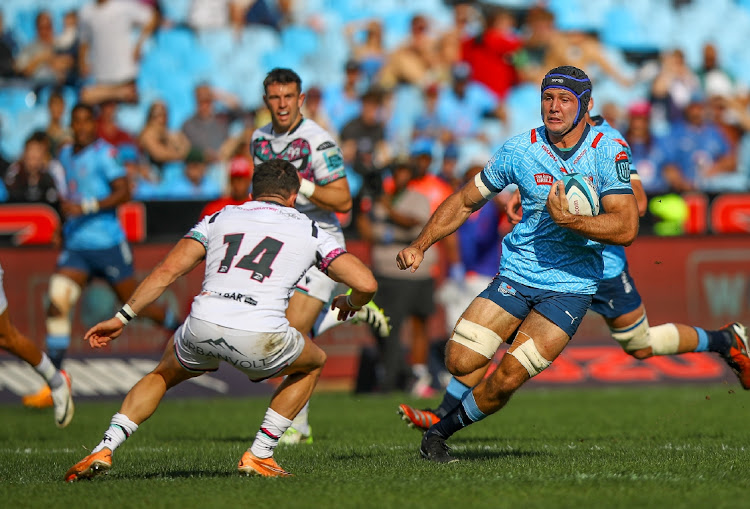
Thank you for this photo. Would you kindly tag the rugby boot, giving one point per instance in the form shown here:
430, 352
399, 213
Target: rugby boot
434, 448
63, 401
40, 399
94, 464
375, 317
292, 436
267, 467
418, 419
738, 357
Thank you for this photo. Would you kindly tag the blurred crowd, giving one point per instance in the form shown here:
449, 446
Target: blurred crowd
453, 90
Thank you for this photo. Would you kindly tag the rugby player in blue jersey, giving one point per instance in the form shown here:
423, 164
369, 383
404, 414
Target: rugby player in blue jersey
552, 260
94, 243
617, 300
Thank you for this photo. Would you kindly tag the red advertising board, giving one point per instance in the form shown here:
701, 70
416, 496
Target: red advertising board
702, 281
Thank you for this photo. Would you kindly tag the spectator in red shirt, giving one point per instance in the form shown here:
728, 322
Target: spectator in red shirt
107, 127
240, 176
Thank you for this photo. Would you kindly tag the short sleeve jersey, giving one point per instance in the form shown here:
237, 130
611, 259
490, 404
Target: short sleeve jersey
89, 174
615, 260
255, 254
317, 158
538, 252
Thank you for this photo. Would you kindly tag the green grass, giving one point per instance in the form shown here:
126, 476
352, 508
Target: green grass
685, 446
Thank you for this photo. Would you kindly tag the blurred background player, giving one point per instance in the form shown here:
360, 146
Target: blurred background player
94, 243
324, 191
617, 301
238, 318
58, 381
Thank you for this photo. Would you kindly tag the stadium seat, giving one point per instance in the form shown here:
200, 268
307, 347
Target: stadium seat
300, 39
176, 11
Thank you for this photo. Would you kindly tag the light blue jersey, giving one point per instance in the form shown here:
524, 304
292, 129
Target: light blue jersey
614, 256
88, 174
537, 252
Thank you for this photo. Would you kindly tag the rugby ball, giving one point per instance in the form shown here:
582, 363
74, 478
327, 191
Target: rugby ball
583, 199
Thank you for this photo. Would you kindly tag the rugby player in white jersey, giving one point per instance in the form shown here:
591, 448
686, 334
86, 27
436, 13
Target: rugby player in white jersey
255, 253
324, 191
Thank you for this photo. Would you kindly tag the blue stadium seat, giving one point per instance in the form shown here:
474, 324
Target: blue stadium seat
258, 39
300, 39
176, 11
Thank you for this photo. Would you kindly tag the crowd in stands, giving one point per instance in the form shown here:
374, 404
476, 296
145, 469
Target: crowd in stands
177, 84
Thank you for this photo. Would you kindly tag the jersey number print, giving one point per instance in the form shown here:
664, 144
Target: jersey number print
258, 260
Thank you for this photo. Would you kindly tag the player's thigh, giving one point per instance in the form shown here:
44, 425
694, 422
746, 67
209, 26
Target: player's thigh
549, 339
303, 311
311, 358
170, 368
626, 320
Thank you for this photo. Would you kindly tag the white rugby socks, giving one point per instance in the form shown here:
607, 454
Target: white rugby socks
120, 428
49, 372
274, 425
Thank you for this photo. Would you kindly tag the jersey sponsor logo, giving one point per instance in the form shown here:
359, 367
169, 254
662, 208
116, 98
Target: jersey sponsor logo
549, 152
543, 179
238, 297
296, 152
575, 161
622, 164
221, 343
333, 159
325, 145
506, 289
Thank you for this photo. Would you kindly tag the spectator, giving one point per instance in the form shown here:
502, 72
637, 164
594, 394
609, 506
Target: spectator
313, 109
393, 222
710, 68
424, 182
107, 53
29, 181
240, 177
54, 167
142, 181
417, 61
259, 12
68, 43
673, 87
208, 14
490, 55
8, 49
462, 106
650, 152
370, 53
207, 130
239, 145
342, 101
583, 50
158, 143
540, 36
39, 61
59, 134
449, 169
465, 19
194, 183
701, 157
363, 143
107, 127
428, 124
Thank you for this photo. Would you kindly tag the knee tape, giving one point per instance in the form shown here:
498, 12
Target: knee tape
634, 337
476, 337
527, 354
665, 339
63, 294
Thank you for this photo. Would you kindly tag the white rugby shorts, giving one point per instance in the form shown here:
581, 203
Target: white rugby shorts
200, 346
316, 284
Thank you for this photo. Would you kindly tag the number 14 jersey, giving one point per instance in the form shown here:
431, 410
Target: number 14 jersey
255, 254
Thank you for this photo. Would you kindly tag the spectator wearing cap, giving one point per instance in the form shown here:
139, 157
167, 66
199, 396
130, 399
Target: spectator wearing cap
194, 183
240, 178
363, 143
701, 157
428, 124
341, 102
449, 169
463, 105
650, 151
424, 182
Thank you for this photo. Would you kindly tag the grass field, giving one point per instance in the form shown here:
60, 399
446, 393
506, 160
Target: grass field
685, 446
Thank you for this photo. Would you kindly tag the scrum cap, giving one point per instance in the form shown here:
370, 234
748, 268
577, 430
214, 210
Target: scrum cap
573, 80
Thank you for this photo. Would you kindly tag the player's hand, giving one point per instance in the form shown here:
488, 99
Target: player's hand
70, 209
409, 257
557, 204
345, 310
104, 332
513, 208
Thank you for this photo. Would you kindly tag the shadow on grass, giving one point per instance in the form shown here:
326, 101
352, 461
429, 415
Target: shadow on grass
479, 454
182, 474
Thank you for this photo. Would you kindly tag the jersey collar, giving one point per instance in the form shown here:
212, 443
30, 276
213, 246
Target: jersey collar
567, 154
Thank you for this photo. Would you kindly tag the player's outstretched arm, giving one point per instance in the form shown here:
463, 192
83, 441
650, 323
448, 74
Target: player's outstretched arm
182, 259
333, 196
451, 214
348, 269
616, 224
